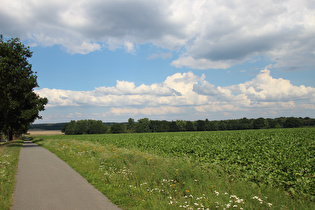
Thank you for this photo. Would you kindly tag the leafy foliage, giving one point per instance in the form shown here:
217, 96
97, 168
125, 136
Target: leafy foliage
84, 127
19, 105
117, 128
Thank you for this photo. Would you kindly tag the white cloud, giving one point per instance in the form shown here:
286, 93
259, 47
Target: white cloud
185, 95
266, 88
129, 47
201, 63
208, 34
148, 111
84, 48
263, 88
129, 88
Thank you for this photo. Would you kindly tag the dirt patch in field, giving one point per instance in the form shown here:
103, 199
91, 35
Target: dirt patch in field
44, 132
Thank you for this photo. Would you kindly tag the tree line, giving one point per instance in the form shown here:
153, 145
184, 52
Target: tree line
146, 125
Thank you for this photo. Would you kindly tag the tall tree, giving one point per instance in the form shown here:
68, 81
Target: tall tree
143, 126
19, 105
131, 125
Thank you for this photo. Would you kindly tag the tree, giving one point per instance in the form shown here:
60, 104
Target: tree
117, 128
212, 126
222, 125
181, 124
260, 123
143, 126
69, 128
19, 105
244, 123
293, 122
201, 126
84, 127
80, 127
159, 126
155, 126
190, 126
272, 123
173, 127
131, 125
95, 127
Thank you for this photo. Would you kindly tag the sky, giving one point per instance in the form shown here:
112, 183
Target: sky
112, 60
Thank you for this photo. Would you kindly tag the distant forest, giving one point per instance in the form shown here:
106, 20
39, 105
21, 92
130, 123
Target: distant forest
146, 126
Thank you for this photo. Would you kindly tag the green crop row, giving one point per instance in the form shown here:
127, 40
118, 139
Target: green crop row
281, 158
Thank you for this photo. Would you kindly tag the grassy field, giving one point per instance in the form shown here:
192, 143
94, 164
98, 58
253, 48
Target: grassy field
254, 169
9, 157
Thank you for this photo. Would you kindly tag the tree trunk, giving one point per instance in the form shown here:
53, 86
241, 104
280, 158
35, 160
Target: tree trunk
10, 135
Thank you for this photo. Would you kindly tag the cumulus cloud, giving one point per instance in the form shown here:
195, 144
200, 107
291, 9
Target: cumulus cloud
186, 94
129, 88
208, 34
266, 88
262, 89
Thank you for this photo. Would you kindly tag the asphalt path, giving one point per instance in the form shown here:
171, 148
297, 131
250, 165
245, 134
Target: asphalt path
46, 182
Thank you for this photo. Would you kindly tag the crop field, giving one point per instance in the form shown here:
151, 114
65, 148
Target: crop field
252, 169
44, 132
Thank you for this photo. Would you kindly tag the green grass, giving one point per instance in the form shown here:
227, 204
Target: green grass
9, 157
196, 170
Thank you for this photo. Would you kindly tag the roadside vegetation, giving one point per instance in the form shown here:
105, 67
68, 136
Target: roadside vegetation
9, 158
252, 169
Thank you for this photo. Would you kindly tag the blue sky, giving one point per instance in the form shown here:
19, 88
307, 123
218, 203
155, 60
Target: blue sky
168, 59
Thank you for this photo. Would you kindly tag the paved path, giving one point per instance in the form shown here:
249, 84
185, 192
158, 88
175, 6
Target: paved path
46, 182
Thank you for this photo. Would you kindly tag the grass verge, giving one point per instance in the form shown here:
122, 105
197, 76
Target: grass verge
135, 179
9, 158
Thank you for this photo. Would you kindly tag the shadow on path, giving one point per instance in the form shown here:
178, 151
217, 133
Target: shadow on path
28, 143
13, 143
